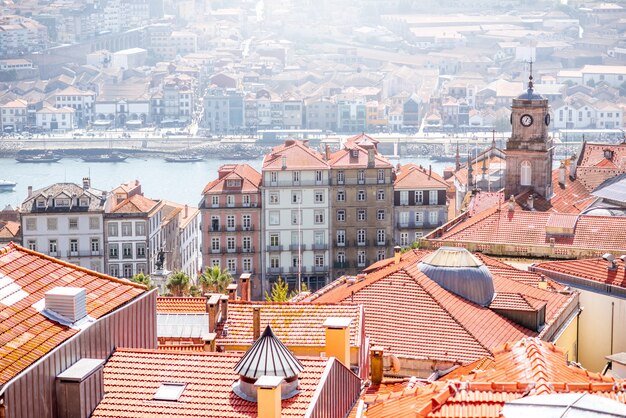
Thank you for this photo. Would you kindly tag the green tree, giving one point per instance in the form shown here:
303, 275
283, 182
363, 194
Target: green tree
143, 279
279, 291
178, 283
591, 83
214, 280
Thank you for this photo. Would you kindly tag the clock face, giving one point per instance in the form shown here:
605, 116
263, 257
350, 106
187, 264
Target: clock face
547, 120
526, 120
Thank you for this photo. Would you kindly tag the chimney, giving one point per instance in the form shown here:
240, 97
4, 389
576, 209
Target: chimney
430, 170
245, 287
542, 284
376, 365
338, 339
86, 183
30, 191
224, 308
209, 342
397, 253
327, 152
284, 164
68, 302
530, 202
562, 174
186, 210
269, 396
232, 291
511, 203
572, 167
256, 323
80, 388
370, 158
212, 305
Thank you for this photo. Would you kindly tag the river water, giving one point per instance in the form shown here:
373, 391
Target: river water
178, 182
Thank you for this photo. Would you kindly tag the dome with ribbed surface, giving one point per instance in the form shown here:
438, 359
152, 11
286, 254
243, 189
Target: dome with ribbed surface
460, 272
268, 357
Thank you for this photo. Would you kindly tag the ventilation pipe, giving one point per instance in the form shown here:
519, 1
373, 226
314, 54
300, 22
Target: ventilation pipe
397, 253
256, 323
376, 365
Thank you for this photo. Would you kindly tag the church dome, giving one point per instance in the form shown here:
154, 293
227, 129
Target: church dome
530, 95
460, 272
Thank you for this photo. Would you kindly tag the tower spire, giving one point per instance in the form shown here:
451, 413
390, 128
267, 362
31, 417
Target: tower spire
530, 77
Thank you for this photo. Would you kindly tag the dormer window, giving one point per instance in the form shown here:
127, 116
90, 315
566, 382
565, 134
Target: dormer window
83, 201
41, 203
355, 153
608, 154
62, 202
233, 183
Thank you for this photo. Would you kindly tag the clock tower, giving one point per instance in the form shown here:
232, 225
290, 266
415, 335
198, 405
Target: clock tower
528, 150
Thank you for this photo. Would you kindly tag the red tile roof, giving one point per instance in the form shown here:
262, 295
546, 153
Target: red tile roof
132, 377
501, 226
295, 324
298, 157
25, 276
413, 177
594, 270
250, 179
447, 327
592, 166
344, 159
527, 368
135, 204
9, 229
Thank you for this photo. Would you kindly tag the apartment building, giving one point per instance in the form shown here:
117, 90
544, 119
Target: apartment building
66, 220
55, 118
82, 101
419, 203
14, 115
127, 236
296, 195
180, 229
231, 219
360, 205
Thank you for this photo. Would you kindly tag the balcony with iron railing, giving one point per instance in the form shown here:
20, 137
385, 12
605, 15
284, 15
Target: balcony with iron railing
341, 264
320, 247
361, 243
89, 253
340, 244
383, 243
274, 248
274, 270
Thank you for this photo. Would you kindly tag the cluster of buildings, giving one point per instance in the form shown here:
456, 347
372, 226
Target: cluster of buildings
119, 232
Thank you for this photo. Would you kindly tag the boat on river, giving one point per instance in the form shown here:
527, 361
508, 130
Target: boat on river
7, 185
46, 157
185, 158
113, 157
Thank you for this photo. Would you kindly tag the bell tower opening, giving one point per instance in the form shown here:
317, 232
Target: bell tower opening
529, 149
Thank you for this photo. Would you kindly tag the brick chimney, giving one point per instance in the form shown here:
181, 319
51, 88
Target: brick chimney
269, 396
376, 365
212, 305
209, 341
86, 183
572, 167
30, 191
338, 339
232, 291
244, 280
327, 152
256, 323
224, 308
80, 388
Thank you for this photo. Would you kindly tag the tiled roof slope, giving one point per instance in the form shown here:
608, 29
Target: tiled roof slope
298, 157
593, 168
132, 377
529, 228
300, 324
135, 204
413, 177
446, 327
25, 276
9, 229
96, 197
527, 368
593, 269
344, 159
295, 324
250, 179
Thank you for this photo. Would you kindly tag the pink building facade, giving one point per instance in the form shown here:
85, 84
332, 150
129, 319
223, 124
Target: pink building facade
231, 223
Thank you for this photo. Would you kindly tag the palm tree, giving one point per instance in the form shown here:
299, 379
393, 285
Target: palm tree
215, 280
143, 279
178, 283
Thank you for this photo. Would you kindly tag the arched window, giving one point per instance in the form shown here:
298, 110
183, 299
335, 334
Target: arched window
526, 173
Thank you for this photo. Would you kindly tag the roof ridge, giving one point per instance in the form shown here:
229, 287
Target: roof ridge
15, 247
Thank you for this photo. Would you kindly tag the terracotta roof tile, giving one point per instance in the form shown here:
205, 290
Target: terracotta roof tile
526, 368
132, 377
298, 157
135, 204
295, 324
413, 177
594, 270
250, 179
446, 327
25, 334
